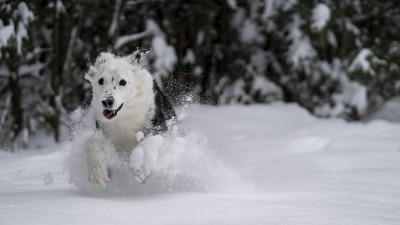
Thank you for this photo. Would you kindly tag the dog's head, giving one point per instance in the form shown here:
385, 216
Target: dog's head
115, 81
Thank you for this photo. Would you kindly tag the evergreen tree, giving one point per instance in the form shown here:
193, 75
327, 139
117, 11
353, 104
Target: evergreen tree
335, 58
17, 70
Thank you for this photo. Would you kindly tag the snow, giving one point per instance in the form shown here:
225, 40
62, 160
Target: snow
271, 7
332, 39
165, 56
266, 87
351, 27
300, 47
123, 40
21, 33
268, 9
32, 69
250, 33
6, 32
24, 12
259, 164
390, 111
238, 18
355, 94
352, 94
361, 62
151, 28
234, 93
190, 57
114, 22
200, 37
60, 8
10, 31
232, 4
321, 14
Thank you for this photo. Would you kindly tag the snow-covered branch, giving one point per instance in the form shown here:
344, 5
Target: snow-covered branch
123, 40
151, 29
31, 69
132, 3
115, 20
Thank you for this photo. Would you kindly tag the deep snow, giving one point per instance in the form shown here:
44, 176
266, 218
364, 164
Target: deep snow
261, 164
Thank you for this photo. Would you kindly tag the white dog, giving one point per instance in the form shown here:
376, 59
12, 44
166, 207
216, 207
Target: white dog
126, 101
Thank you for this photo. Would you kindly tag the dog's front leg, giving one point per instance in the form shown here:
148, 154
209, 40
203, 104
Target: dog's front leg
97, 164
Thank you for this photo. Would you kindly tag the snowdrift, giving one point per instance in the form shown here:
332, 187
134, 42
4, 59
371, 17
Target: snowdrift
257, 164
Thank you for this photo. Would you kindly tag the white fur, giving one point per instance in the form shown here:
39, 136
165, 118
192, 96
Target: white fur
137, 97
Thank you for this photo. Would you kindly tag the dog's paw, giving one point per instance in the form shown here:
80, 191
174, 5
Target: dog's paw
144, 158
142, 175
99, 177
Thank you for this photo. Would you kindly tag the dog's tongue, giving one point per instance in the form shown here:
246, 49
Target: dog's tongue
107, 113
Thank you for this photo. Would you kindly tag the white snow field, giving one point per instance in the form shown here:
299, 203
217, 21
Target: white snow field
260, 164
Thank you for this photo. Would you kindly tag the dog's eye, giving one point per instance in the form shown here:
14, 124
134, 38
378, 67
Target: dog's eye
122, 83
101, 81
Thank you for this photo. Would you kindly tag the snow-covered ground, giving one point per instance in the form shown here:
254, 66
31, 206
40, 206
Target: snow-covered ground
261, 164
390, 111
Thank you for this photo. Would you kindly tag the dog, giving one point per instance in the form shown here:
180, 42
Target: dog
127, 101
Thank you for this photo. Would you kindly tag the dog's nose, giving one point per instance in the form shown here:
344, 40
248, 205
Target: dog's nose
108, 102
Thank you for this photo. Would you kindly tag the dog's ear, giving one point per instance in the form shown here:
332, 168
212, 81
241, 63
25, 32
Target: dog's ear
136, 56
102, 58
89, 75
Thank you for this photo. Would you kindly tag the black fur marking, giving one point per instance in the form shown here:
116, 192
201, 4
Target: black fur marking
163, 111
140, 53
98, 125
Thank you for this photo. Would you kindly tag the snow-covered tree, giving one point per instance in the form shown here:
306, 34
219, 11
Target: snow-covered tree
328, 56
17, 70
334, 58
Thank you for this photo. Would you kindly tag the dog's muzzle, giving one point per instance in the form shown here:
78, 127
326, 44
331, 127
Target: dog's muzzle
109, 114
108, 102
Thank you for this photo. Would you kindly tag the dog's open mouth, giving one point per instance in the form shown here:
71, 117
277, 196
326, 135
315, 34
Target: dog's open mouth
109, 114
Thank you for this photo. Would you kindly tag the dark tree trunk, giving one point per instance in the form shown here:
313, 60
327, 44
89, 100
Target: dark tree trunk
54, 119
17, 111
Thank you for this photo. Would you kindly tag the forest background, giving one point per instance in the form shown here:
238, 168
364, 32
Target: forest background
334, 58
